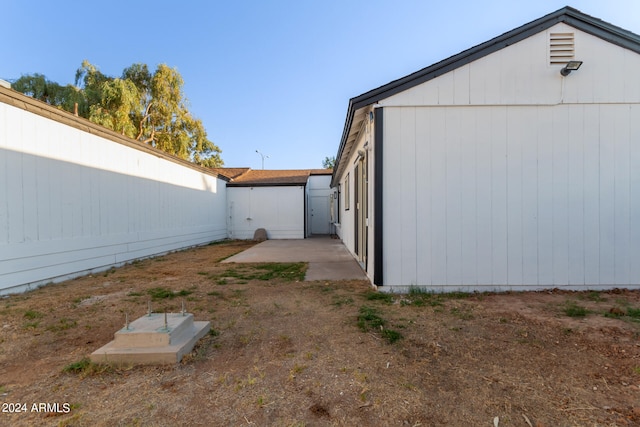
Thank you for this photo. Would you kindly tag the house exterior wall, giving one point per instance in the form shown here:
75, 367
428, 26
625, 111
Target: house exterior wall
278, 209
344, 225
503, 175
345, 228
512, 197
72, 202
510, 176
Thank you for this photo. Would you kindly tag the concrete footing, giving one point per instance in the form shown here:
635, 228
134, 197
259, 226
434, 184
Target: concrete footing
156, 338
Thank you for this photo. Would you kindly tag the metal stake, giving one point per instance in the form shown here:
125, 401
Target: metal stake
149, 308
183, 311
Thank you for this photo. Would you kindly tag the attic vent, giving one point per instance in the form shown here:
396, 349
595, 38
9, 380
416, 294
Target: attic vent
561, 48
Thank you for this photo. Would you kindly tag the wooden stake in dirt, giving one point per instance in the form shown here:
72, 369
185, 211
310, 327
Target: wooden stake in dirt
183, 311
126, 321
149, 308
166, 325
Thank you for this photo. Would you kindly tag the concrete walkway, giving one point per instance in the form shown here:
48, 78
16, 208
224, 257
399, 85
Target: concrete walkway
328, 258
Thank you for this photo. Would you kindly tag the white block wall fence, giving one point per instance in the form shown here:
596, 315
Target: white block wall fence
77, 198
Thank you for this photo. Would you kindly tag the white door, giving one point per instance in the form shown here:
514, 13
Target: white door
320, 216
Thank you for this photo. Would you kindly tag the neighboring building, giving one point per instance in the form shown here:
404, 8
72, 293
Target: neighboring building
492, 170
288, 204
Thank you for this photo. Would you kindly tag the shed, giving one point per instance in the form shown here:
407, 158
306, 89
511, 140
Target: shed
288, 204
500, 168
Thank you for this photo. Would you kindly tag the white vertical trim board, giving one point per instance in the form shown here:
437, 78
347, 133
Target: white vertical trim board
409, 184
393, 210
424, 163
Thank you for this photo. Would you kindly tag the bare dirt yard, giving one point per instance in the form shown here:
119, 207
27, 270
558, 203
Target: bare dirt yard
285, 352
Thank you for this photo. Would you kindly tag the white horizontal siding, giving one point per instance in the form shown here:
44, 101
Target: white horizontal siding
72, 202
517, 197
520, 74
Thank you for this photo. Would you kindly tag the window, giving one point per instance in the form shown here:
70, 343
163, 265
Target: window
338, 195
346, 193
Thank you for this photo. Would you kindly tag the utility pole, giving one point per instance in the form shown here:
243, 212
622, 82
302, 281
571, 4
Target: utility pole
263, 157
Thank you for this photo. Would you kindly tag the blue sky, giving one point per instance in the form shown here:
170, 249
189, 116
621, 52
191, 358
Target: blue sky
270, 75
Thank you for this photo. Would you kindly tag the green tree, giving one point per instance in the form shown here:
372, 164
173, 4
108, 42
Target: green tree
150, 107
117, 99
39, 87
140, 76
36, 86
89, 80
329, 162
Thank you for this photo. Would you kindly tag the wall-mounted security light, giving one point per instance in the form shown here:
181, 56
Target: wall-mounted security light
571, 66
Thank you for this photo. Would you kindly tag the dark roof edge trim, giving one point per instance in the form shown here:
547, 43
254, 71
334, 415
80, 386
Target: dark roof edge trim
243, 184
568, 15
34, 106
343, 141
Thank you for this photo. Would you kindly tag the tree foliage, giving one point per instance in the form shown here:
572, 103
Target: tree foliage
149, 107
329, 162
37, 86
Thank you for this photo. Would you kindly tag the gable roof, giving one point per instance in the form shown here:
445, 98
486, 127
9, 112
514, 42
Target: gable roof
567, 15
269, 178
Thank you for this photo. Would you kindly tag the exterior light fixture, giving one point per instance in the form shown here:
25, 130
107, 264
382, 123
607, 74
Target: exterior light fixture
571, 66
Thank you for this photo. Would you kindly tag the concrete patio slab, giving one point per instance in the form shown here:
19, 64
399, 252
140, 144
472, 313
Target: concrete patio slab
328, 259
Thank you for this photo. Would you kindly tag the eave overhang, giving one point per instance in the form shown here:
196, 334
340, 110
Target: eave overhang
357, 109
